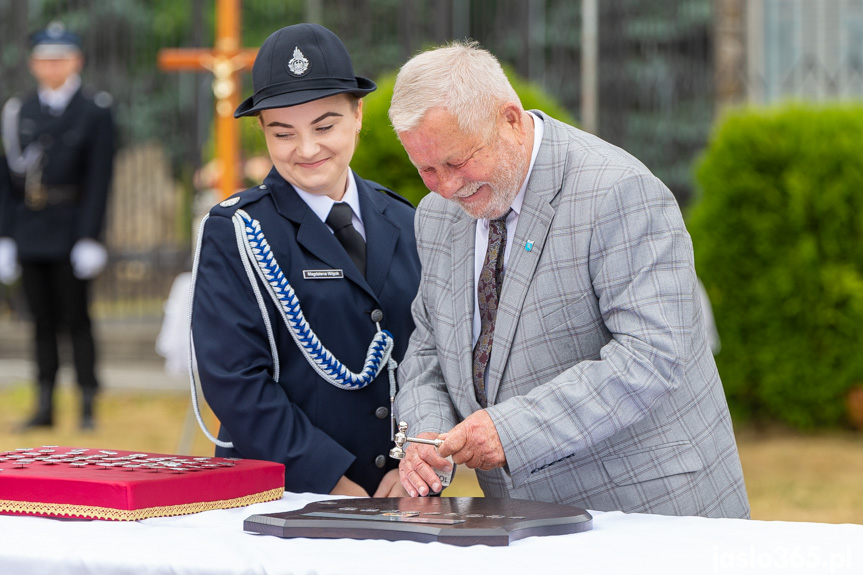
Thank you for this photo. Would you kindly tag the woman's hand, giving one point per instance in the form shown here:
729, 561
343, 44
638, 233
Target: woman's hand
347, 487
391, 486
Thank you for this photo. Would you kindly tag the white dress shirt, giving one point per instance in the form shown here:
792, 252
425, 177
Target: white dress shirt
322, 205
57, 100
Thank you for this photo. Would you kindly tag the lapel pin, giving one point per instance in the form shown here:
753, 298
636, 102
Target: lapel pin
528, 246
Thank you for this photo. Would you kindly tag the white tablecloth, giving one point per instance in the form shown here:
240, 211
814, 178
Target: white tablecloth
214, 542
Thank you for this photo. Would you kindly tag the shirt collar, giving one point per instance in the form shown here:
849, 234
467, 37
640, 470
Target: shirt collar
538, 131
58, 99
322, 205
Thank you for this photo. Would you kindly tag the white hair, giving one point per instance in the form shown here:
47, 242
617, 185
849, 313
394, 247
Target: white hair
462, 78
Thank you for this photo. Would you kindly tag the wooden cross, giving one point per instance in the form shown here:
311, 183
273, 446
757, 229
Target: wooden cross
226, 60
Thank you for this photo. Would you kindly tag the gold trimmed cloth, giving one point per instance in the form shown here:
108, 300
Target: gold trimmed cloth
128, 486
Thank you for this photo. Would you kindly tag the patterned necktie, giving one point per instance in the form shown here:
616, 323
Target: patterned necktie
488, 293
339, 220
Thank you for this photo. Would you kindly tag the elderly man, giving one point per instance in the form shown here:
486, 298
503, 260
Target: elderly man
560, 346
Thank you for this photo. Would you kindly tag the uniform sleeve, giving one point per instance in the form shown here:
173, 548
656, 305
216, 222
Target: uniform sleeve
5, 199
236, 369
99, 170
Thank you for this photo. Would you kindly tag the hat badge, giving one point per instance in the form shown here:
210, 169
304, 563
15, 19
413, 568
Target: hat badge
298, 65
55, 30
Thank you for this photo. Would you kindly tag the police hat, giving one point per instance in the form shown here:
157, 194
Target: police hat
299, 64
54, 42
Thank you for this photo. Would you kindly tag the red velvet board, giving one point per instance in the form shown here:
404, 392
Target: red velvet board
126, 485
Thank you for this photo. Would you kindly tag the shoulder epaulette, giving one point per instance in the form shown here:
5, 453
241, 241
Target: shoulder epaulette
230, 205
389, 192
99, 97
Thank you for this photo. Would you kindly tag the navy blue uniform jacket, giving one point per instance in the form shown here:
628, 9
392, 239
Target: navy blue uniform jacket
78, 150
320, 432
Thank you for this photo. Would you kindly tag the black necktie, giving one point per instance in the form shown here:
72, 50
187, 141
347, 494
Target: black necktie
340, 222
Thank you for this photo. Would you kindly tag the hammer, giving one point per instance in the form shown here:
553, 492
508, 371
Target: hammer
398, 452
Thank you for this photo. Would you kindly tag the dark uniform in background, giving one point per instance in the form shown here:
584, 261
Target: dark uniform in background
60, 145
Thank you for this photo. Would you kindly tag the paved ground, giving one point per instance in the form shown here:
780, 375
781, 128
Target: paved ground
127, 353
111, 375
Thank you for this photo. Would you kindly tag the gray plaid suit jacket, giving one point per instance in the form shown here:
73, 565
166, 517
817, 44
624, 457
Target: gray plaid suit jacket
601, 382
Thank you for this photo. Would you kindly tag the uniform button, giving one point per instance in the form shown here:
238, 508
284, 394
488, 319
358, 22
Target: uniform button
382, 412
380, 461
377, 315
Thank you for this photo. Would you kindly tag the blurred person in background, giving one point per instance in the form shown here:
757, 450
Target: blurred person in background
59, 147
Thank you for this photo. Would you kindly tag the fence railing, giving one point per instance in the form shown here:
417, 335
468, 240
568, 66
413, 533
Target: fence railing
655, 91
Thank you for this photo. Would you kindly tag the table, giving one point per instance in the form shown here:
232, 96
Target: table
214, 542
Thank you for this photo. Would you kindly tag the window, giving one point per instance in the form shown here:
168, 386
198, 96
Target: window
804, 49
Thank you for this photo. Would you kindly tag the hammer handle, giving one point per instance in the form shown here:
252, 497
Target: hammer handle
435, 442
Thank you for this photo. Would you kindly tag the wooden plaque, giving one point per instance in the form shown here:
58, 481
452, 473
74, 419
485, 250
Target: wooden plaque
459, 521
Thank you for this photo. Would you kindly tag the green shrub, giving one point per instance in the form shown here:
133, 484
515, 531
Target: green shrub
778, 236
380, 156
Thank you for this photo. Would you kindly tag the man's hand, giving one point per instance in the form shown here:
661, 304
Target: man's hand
416, 469
347, 487
474, 442
390, 486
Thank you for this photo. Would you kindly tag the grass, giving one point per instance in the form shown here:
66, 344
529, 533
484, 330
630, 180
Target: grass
790, 476
803, 477
154, 422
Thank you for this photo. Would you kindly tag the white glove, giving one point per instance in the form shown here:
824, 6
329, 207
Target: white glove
9, 268
88, 258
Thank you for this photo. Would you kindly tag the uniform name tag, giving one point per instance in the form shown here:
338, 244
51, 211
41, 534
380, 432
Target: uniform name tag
323, 274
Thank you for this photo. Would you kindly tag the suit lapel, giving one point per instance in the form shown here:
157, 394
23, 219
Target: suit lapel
534, 222
46, 123
381, 235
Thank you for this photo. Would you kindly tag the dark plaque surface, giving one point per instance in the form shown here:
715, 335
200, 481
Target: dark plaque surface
453, 520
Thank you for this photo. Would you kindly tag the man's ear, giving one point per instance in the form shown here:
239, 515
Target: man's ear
511, 118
